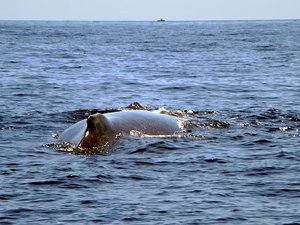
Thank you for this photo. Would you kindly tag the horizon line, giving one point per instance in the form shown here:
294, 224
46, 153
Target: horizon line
133, 20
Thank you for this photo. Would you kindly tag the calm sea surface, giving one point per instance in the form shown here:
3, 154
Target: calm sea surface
240, 164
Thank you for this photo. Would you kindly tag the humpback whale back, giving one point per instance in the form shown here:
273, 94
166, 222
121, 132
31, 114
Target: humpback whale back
100, 130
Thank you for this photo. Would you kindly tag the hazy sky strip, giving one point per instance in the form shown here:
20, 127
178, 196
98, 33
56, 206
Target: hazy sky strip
148, 9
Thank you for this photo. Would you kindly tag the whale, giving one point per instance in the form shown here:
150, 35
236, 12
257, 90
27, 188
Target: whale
102, 130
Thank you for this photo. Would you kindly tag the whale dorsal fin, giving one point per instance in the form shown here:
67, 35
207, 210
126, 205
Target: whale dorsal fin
98, 132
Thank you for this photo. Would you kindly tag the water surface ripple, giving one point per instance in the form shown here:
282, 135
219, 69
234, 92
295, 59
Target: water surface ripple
239, 164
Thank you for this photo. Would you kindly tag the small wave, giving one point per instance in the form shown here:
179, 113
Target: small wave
266, 48
46, 182
70, 148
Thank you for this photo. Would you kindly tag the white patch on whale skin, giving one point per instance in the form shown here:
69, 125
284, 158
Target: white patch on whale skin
87, 134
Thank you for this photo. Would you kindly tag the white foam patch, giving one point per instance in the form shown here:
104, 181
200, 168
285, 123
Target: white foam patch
182, 124
65, 147
136, 133
162, 110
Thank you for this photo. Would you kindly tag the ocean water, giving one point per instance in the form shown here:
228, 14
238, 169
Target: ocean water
237, 82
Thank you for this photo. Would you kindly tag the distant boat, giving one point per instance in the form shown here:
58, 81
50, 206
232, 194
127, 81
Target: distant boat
161, 20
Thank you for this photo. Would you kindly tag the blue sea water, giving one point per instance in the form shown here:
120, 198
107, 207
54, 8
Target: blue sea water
238, 165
